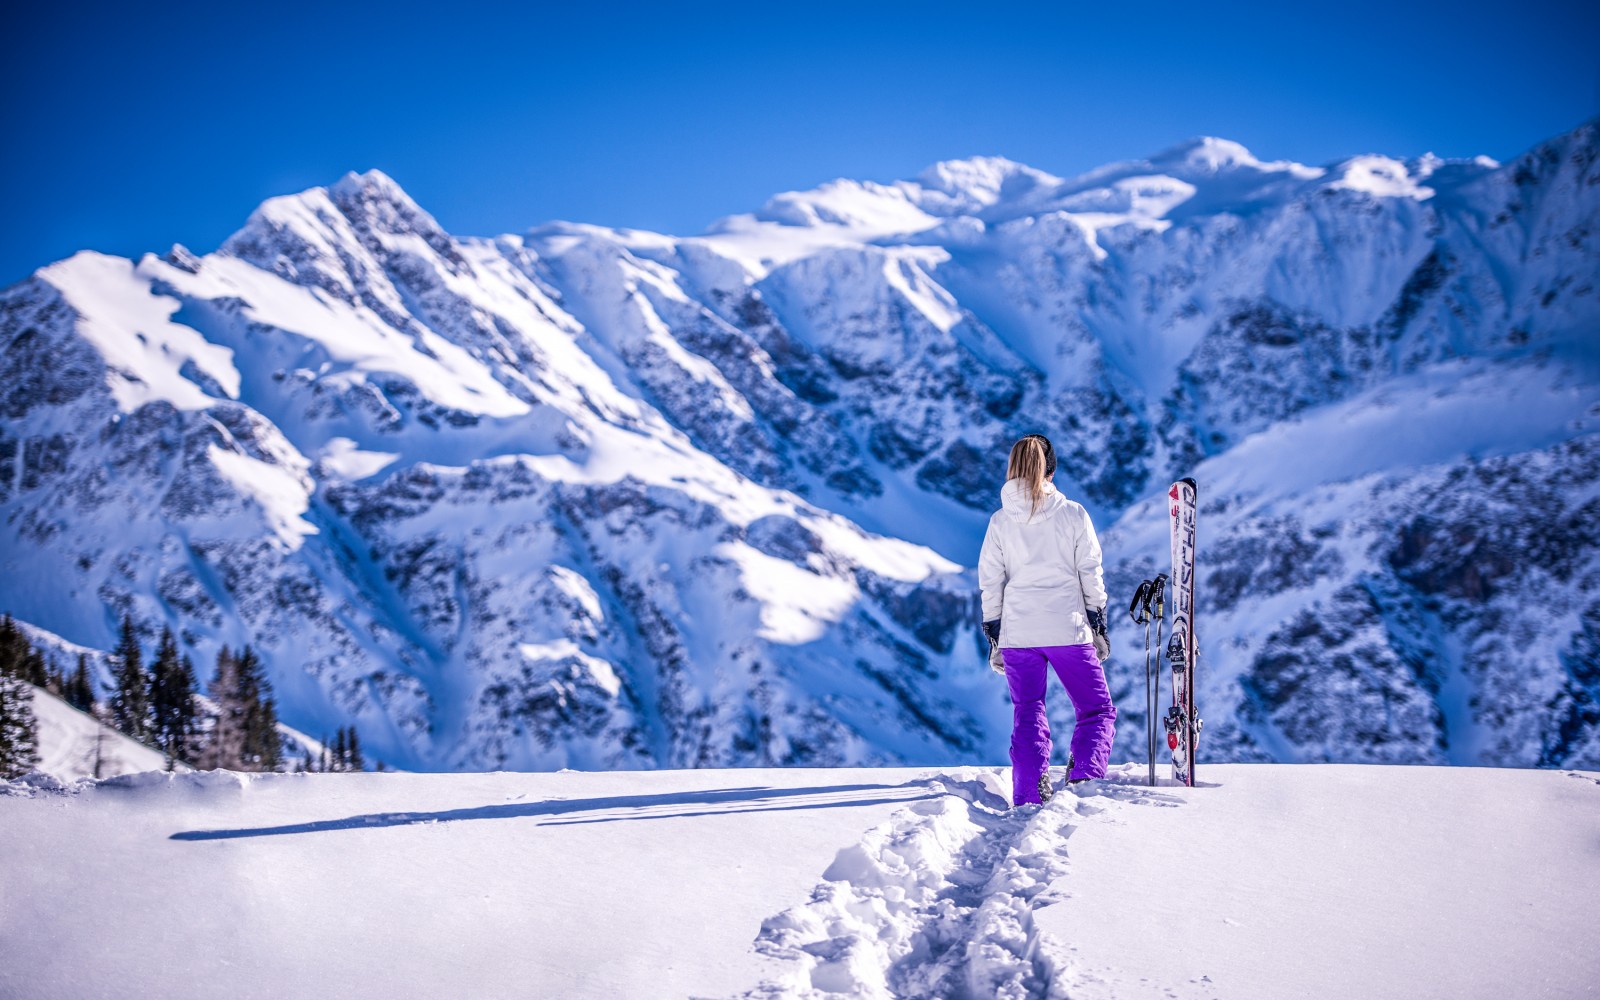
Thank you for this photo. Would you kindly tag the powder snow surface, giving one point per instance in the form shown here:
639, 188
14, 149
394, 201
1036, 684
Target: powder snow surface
1267, 881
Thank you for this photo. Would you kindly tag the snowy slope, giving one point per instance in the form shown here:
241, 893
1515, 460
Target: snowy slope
1267, 881
608, 498
73, 744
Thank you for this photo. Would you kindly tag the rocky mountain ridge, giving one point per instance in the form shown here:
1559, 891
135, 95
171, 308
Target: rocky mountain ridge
606, 498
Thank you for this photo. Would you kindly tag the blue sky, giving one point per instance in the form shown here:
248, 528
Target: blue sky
130, 127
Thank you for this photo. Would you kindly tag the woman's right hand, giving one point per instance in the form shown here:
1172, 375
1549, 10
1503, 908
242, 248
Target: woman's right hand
1098, 633
991, 631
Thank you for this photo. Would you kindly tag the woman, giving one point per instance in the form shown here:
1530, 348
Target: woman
1044, 600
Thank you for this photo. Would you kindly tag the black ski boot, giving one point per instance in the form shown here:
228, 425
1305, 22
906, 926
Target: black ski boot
1071, 781
1046, 789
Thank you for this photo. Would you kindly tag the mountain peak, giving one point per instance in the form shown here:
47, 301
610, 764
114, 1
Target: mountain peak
372, 201
373, 185
375, 202
378, 199
976, 171
1207, 154
862, 205
977, 182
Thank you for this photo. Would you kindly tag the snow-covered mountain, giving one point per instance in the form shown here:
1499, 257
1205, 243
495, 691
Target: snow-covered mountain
608, 498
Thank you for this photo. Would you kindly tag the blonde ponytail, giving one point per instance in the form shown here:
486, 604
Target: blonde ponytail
1032, 461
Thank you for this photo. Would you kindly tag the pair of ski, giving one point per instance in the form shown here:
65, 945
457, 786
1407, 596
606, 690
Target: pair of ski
1149, 605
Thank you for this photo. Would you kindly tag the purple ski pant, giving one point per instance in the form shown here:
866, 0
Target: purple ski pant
1080, 672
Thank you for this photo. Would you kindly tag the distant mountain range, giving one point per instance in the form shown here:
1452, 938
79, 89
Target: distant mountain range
604, 498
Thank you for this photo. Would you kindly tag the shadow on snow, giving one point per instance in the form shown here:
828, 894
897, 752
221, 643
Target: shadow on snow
664, 806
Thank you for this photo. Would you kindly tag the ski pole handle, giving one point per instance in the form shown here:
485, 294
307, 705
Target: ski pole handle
1140, 607
1158, 592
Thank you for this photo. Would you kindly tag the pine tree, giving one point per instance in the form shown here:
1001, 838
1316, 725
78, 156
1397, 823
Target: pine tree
79, 691
224, 747
172, 701
341, 752
14, 647
163, 699
260, 747
130, 703
356, 763
269, 745
34, 668
19, 733
102, 715
189, 741
18, 657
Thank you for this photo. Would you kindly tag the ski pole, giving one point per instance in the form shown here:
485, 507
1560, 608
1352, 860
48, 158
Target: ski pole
1139, 611
1158, 590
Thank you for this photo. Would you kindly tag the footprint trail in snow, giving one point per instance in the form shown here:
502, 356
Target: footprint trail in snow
939, 900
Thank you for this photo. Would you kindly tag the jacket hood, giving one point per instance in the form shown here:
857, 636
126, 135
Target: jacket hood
1014, 500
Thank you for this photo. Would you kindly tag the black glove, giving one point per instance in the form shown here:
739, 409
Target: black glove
991, 631
1097, 625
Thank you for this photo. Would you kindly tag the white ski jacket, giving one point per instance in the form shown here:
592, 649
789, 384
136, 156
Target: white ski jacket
1040, 572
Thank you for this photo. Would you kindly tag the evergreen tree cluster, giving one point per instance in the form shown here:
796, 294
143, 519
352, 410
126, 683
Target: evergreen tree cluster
343, 754
244, 736
22, 661
158, 707
155, 705
18, 658
20, 665
78, 690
